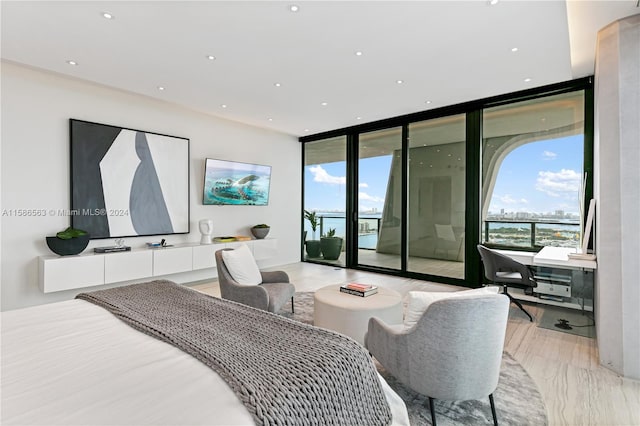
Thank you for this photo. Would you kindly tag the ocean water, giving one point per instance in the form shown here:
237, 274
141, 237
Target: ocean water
328, 221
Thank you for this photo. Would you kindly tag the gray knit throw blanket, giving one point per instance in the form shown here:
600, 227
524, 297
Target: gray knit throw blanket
284, 372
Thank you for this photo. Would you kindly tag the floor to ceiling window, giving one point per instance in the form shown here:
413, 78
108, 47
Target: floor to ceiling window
436, 192
379, 198
414, 195
325, 169
533, 172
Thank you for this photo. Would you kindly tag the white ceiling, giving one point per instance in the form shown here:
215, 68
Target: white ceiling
445, 52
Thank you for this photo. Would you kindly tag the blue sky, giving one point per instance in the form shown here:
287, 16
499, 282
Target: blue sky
537, 177
325, 184
540, 177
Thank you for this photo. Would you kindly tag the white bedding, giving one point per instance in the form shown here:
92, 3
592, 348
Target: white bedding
74, 363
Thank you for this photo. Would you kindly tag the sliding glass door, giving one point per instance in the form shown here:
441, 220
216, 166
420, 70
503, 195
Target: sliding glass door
325, 168
379, 207
436, 197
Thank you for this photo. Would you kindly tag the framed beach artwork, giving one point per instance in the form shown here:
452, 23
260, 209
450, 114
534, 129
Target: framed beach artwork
127, 182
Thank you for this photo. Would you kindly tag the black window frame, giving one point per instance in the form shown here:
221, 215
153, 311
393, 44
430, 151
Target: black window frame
473, 110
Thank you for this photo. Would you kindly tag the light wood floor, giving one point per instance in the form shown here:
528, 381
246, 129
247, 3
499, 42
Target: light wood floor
575, 388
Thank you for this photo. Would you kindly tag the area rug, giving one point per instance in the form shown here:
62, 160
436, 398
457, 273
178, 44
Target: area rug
568, 321
517, 399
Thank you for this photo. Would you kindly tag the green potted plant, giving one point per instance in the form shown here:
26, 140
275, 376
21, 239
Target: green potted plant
312, 246
331, 245
68, 242
260, 231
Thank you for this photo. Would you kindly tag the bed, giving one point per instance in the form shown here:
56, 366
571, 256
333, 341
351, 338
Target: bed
75, 363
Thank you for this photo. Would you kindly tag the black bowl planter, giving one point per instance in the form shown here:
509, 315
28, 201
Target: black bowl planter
313, 248
331, 247
260, 233
68, 247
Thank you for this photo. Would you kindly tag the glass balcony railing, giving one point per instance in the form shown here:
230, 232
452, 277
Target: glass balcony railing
530, 234
368, 228
518, 234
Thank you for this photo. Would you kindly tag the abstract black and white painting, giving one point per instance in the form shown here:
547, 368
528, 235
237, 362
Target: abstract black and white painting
127, 182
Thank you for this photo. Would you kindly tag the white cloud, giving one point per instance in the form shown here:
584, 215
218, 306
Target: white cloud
548, 155
363, 185
563, 183
363, 196
508, 199
322, 176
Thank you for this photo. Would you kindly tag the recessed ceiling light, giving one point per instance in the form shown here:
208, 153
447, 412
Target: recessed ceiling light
211, 57
160, 88
107, 15
358, 118
72, 62
492, 2
294, 8
526, 80
277, 84
270, 119
399, 81
306, 130
358, 53
515, 49
223, 105
427, 102
324, 104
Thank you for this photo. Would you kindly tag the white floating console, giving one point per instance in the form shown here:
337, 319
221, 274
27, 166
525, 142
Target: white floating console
58, 273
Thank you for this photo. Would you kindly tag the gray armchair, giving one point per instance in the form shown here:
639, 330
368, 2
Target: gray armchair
453, 353
271, 295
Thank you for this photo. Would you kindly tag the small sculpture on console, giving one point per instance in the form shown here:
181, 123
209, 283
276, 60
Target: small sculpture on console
206, 229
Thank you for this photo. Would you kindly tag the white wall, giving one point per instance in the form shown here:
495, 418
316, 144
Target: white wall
36, 107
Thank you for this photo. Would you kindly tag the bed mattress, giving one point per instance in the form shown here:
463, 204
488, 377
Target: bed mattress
74, 363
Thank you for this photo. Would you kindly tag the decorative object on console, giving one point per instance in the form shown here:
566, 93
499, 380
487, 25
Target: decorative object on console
234, 183
206, 229
330, 245
260, 231
127, 182
161, 244
71, 241
224, 239
312, 246
118, 247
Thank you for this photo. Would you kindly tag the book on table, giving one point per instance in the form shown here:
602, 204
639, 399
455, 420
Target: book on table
356, 289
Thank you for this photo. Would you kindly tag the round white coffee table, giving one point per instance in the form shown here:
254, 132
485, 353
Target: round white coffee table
349, 314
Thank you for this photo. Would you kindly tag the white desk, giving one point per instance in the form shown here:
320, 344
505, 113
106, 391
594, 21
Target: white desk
559, 257
550, 256
574, 281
